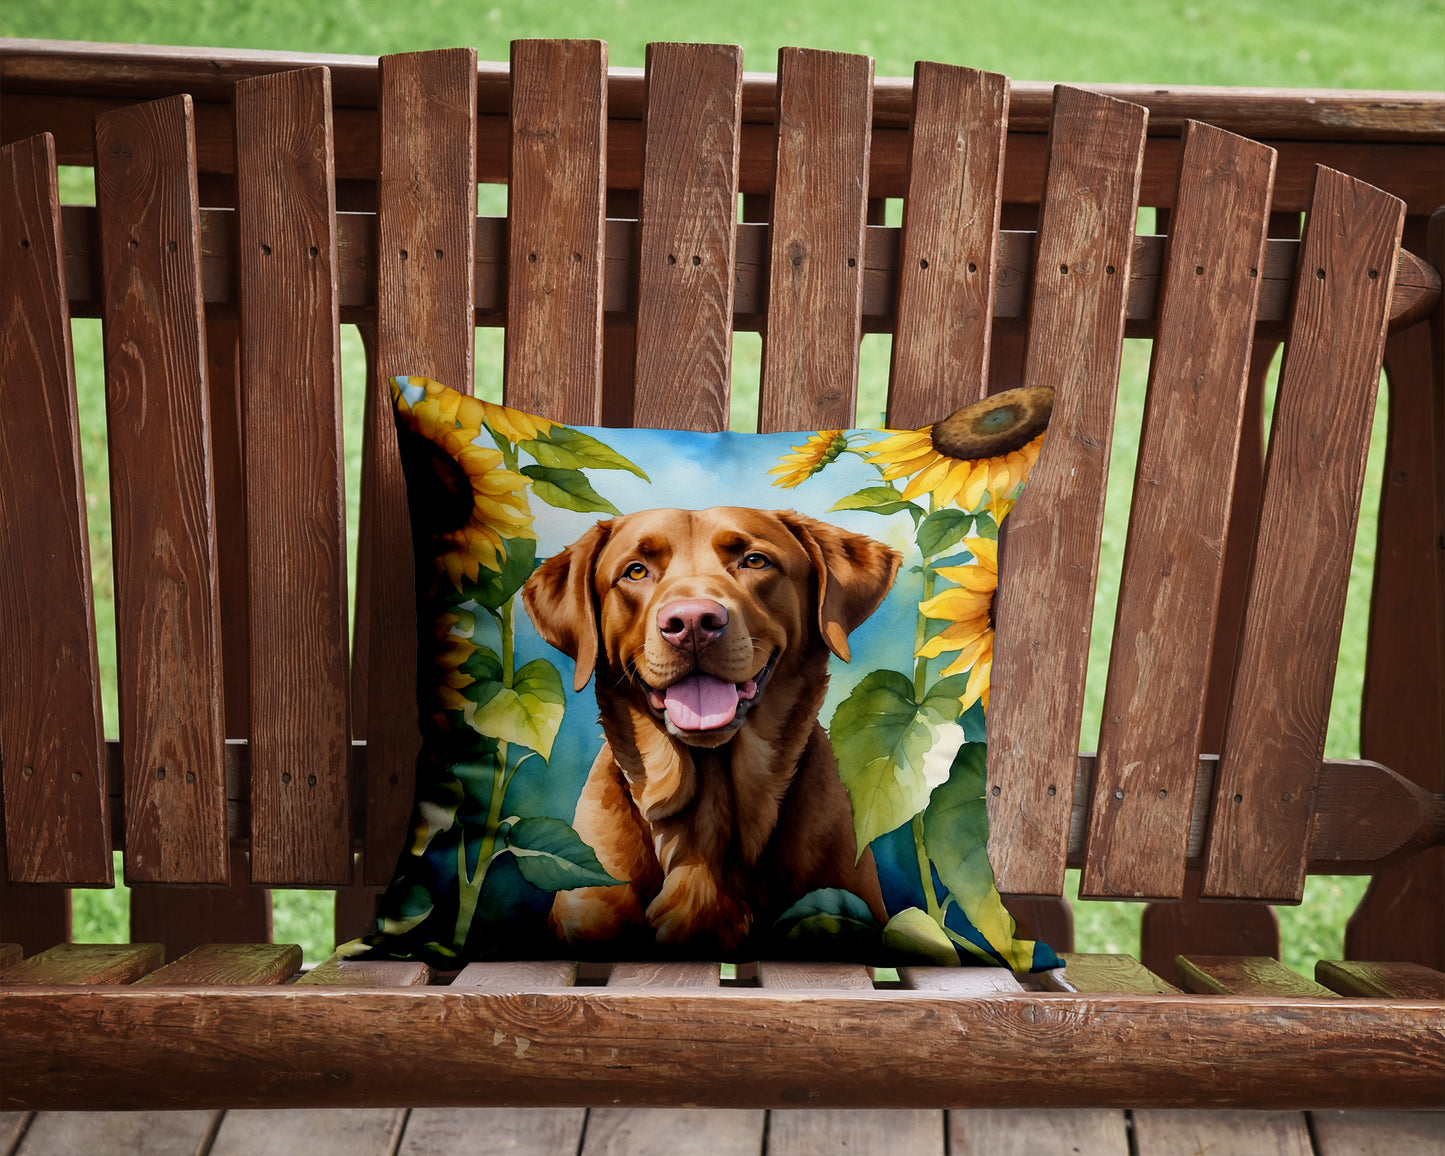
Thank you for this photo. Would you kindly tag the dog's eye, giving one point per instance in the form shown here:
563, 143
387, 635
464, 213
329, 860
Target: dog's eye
756, 561
635, 572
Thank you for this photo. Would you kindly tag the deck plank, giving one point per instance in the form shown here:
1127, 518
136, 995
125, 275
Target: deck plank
1379, 1133
314, 1131
674, 1132
1381, 980
515, 1131
1170, 1132
917, 1131
154, 1133
86, 963
1029, 1131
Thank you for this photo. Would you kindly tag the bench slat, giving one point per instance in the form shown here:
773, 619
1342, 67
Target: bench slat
817, 976
948, 259
426, 246
555, 205
334, 1132
228, 963
84, 964
1045, 602
687, 236
816, 259
34, 915
979, 981
154, 1133
672, 1132
1094, 972
168, 643
1275, 732
300, 745
1153, 713
664, 975
57, 826
336, 972
1358, 1133
1382, 980
1243, 975
519, 976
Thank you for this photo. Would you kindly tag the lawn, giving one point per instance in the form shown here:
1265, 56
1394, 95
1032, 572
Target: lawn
1386, 44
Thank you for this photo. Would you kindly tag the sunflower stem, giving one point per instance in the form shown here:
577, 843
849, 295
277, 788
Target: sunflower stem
470, 886
925, 871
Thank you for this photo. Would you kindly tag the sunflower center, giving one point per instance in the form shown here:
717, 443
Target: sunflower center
995, 426
437, 488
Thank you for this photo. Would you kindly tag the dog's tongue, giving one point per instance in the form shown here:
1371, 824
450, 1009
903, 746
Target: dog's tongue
701, 702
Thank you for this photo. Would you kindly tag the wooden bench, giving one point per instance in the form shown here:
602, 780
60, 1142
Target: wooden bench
247, 204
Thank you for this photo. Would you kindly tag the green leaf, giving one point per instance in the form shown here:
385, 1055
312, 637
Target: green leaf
884, 499
567, 448
915, 934
528, 712
552, 856
955, 834
830, 923
891, 752
985, 527
941, 701
942, 529
567, 490
495, 587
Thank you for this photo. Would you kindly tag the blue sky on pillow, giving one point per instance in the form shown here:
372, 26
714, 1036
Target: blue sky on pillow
636, 627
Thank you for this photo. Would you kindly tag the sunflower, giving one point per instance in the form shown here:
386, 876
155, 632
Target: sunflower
433, 407
968, 610
985, 448
452, 650
498, 507
807, 459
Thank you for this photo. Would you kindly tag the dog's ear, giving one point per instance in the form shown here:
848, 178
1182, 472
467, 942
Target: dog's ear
559, 601
854, 574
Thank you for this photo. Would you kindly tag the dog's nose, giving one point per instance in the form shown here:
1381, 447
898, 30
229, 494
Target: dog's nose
692, 623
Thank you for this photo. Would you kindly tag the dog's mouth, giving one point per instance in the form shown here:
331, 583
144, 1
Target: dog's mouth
700, 703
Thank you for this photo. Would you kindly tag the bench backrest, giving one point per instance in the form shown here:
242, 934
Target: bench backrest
242, 696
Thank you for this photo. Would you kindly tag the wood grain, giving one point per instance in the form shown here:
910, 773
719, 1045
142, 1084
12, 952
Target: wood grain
298, 1046
1243, 975
168, 633
687, 236
228, 963
978, 981
522, 975
300, 820
555, 206
947, 266
154, 1133
669, 975
1378, 1133
1093, 972
1153, 714
515, 1131
57, 824
1275, 732
788, 974
426, 225
1045, 603
1030, 1131
336, 972
816, 259
1170, 1132
1382, 980
84, 964
802, 1133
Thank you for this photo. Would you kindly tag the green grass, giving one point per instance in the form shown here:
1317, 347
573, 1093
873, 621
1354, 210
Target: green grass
1305, 43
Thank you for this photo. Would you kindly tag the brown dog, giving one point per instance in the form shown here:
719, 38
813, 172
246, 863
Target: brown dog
716, 794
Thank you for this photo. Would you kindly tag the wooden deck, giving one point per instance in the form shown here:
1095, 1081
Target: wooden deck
722, 1132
